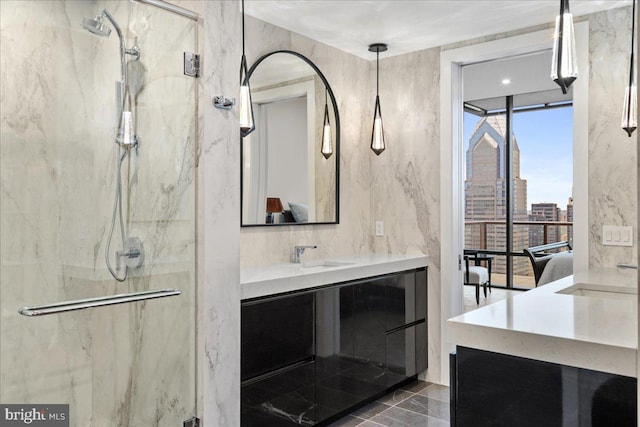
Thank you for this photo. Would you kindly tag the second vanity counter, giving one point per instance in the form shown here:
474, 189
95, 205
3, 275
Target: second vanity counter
587, 320
284, 278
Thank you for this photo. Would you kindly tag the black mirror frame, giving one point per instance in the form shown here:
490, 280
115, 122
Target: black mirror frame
336, 149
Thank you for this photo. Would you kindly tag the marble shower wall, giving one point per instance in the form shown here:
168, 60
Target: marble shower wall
612, 154
405, 190
218, 213
349, 77
127, 365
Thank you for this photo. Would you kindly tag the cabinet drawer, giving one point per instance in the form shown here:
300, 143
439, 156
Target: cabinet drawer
276, 334
406, 298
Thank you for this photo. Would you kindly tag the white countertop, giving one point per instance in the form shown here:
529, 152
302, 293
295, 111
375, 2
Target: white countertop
280, 278
596, 332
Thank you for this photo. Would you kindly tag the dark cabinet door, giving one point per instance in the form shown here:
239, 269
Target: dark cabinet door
335, 389
400, 293
275, 334
308, 357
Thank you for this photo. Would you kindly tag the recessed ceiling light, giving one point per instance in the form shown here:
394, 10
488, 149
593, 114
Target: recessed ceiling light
506, 81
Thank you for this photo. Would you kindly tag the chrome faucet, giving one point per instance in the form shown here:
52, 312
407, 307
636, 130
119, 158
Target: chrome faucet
298, 251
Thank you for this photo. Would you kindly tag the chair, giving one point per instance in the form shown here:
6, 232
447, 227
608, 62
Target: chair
540, 256
475, 275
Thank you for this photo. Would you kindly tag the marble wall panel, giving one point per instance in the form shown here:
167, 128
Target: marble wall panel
405, 190
218, 316
127, 365
612, 154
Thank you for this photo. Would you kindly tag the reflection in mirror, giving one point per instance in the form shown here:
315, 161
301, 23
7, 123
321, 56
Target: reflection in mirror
286, 179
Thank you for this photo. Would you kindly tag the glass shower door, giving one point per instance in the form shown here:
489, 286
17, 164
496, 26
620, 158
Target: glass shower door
63, 146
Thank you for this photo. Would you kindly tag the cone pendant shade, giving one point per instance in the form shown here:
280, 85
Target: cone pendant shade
630, 112
377, 134
564, 65
245, 113
327, 146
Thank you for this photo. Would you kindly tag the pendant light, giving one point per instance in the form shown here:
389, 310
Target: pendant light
564, 66
327, 146
247, 124
377, 134
630, 111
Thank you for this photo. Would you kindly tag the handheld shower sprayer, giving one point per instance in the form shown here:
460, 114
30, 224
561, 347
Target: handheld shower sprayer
133, 248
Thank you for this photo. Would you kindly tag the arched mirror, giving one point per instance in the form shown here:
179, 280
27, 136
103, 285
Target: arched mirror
286, 178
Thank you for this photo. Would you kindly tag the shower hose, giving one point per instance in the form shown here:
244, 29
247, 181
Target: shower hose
117, 210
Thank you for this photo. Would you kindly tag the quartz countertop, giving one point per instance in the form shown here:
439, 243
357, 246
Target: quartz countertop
593, 329
282, 278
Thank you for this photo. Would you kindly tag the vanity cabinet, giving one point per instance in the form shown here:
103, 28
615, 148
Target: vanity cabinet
494, 389
311, 356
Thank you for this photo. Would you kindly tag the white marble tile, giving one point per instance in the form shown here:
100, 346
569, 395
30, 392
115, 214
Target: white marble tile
218, 320
58, 180
612, 154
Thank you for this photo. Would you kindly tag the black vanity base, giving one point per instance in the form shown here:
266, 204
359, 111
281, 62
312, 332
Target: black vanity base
492, 389
316, 393
311, 357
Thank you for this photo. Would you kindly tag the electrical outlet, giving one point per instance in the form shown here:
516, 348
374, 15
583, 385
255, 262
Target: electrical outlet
617, 236
379, 228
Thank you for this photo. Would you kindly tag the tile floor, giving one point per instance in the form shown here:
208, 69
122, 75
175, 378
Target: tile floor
417, 404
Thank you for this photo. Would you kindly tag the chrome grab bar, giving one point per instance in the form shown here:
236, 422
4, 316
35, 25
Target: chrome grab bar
61, 307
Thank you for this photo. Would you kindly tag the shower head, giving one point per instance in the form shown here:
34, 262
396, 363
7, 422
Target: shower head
96, 26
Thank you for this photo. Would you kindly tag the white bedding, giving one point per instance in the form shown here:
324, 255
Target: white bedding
559, 266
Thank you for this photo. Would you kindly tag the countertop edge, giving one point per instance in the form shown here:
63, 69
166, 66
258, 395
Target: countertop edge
327, 276
564, 351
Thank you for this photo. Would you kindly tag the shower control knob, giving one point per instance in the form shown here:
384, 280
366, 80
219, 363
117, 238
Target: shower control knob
133, 252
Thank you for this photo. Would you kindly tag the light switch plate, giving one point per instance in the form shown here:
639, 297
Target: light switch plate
617, 235
379, 228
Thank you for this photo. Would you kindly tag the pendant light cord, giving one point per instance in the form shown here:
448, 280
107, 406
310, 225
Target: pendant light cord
633, 32
242, 27
377, 72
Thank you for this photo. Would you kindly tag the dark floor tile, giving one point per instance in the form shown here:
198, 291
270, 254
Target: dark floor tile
254, 395
288, 381
396, 397
398, 417
296, 410
416, 386
256, 417
333, 398
333, 365
351, 385
371, 410
427, 406
436, 391
348, 421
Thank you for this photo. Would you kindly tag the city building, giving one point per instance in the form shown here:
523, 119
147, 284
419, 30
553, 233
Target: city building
485, 193
544, 212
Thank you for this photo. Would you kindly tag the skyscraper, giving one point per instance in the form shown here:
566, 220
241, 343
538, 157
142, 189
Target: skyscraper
544, 212
486, 189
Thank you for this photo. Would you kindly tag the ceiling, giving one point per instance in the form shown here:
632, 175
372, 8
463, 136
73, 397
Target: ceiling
410, 25
528, 77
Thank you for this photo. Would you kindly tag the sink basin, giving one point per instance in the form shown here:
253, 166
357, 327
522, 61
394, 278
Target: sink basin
324, 263
599, 291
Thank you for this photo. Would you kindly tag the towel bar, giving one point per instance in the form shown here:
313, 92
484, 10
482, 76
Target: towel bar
61, 307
